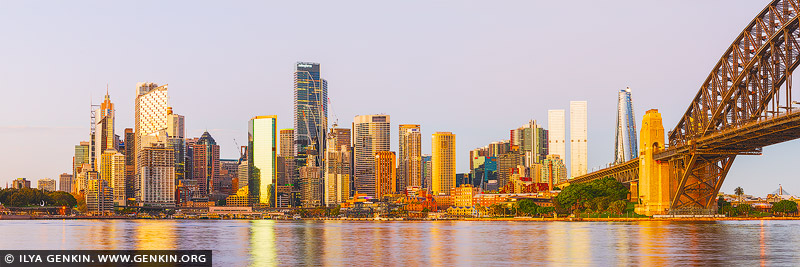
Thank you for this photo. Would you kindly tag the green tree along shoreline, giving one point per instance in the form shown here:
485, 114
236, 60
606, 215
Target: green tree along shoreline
601, 195
28, 197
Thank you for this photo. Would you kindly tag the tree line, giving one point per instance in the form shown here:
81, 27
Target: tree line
28, 197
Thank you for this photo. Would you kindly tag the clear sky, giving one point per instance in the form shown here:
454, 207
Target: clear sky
475, 68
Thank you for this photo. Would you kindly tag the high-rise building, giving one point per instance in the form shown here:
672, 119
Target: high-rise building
46, 184
409, 160
531, 141
176, 130
385, 173
311, 183
112, 170
427, 172
261, 151
20, 183
287, 143
205, 164
444, 162
556, 126
99, 197
627, 147
371, 134
337, 170
343, 136
65, 182
553, 170
130, 164
228, 175
81, 157
310, 111
505, 163
577, 134
104, 137
156, 175
155, 182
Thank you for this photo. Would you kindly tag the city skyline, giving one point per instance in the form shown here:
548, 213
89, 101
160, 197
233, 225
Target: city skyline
69, 119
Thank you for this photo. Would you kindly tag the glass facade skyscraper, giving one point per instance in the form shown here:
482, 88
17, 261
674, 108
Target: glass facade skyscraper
310, 112
261, 149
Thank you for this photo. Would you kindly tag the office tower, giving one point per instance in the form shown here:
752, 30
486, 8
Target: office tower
506, 162
112, 170
385, 177
287, 163
155, 177
65, 182
205, 164
556, 132
337, 170
103, 134
409, 160
130, 165
99, 197
311, 184
627, 147
81, 157
577, 135
287, 143
553, 170
46, 184
310, 112
244, 172
427, 171
444, 162
371, 134
176, 130
531, 140
343, 136
262, 147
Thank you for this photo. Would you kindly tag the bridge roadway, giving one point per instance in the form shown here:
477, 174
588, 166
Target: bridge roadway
745, 140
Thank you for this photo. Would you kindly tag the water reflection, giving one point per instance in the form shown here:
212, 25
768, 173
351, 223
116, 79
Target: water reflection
342, 243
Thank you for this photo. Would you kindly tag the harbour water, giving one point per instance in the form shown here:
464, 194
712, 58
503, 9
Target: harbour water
428, 243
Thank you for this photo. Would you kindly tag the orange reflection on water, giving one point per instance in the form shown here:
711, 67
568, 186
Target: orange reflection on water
155, 234
262, 243
652, 236
763, 245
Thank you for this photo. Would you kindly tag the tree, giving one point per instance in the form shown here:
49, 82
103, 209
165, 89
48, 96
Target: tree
61, 198
721, 204
618, 206
585, 195
744, 209
739, 192
784, 207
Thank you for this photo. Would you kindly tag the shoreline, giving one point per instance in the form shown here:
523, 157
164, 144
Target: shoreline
684, 219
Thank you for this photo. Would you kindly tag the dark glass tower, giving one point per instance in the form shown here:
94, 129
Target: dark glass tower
310, 113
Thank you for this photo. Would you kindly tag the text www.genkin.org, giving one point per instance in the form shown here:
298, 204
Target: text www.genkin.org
89, 258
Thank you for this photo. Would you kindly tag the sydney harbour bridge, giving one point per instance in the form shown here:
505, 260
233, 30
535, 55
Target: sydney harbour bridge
744, 105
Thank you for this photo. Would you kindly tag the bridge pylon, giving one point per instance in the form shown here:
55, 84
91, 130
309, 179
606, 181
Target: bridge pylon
655, 186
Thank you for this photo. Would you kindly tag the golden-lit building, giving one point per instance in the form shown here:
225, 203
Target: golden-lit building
99, 199
241, 198
385, 176
103, 138
463, 195
311, 183
444, 162
337, 169
409, 156
112, 170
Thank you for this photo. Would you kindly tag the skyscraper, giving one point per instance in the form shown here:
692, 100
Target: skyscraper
532, 141
310, 111
81, 157
409, 158
262, 146
155, 182
627, 147
112, 170
287, 143
444, 162
578, 138
312, 186
371, 134
385, 173
553, 170
65, 182
104, 130
176, 132
130, 164
556, 126
427, 172
337, 169
205, 164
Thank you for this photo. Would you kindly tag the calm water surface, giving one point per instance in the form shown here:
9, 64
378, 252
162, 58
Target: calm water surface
265, 242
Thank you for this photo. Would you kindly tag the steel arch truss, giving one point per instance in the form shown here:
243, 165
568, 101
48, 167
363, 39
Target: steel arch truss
744, 87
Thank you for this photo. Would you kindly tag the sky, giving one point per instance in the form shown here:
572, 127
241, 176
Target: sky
474, 68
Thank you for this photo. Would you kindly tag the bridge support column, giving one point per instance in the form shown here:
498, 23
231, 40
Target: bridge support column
655, 186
